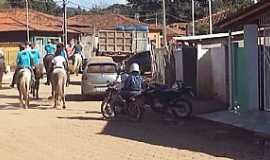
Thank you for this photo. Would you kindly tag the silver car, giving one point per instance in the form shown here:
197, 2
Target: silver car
98, 72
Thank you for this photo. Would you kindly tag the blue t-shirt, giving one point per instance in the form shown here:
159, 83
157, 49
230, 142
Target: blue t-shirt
63, 54
35, 56
24, 58
50, 48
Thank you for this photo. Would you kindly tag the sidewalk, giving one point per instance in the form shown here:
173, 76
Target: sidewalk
254, 121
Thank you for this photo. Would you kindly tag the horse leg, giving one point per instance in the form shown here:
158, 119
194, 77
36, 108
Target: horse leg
54, 99
64, 101
21, 99
37, 89
1, 78
63, 97
27, 100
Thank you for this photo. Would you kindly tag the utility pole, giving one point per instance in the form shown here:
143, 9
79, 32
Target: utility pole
156, 19
164, 24
65, 22
27, 20
210, 17
193, 18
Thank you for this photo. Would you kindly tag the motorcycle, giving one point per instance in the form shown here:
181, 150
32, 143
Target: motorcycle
165, 100
114, 104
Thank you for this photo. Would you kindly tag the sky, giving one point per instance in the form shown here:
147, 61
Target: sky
91, 3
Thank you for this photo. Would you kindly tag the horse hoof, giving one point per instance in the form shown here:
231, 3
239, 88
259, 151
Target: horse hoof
64, 107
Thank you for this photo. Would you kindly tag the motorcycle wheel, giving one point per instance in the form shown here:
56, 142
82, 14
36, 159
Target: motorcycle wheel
135, 110
107, 109
182, 108
155, 108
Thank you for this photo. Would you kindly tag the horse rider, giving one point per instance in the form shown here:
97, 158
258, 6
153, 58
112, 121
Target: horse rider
35, 54
50, 47
36, 57
59, 61
77, 49
24, 60
133, 84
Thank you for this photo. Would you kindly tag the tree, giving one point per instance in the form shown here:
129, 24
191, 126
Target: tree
181, 9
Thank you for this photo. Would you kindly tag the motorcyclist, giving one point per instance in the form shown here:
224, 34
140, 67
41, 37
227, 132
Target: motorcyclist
24, 60
133, 83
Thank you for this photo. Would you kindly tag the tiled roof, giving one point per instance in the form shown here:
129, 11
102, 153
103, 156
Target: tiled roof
15, 20
103, 21
216, 17
170, 31
248, 15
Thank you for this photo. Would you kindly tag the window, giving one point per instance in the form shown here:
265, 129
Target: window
94, 69
101, 68
109, 68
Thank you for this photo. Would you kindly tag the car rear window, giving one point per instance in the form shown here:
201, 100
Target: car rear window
101, 68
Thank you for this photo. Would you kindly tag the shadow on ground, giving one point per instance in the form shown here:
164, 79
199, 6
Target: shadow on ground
193, 134
79, 97
75, 82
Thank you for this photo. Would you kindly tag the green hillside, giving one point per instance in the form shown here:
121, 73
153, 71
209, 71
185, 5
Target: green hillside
3, 3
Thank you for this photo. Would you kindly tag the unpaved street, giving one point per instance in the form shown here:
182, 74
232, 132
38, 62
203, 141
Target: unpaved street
80, 133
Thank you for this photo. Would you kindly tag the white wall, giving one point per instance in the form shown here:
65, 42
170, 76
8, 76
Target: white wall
219, 72
211, 76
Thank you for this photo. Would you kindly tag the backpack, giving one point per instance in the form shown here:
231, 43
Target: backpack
134, 83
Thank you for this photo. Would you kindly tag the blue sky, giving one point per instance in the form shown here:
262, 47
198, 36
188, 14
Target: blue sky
90, 3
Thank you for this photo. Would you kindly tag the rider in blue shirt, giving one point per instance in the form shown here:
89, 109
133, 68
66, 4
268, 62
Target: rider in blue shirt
35, 55
24, 60
50, 48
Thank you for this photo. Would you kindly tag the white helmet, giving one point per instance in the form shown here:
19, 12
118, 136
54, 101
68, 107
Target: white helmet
134, 67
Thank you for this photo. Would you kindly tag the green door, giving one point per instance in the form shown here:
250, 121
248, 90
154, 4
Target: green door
240, 87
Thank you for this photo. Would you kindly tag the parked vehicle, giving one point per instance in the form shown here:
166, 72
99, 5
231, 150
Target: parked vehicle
165, 100
114, 104
98, 72
122, 42
141, 58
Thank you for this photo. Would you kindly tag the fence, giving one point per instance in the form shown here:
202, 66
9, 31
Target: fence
10, 51
165, 66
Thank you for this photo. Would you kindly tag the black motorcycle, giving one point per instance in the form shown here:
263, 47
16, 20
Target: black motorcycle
168, 100
114, 104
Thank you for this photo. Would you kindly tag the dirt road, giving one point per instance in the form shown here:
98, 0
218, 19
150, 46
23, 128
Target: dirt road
80, 133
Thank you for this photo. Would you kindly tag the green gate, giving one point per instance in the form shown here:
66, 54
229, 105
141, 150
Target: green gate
240, 87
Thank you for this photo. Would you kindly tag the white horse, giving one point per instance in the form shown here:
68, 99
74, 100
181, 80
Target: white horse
77, 63
23, 85
58, 80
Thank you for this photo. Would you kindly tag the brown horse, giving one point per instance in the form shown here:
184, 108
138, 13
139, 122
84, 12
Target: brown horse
47, 61
38, 70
